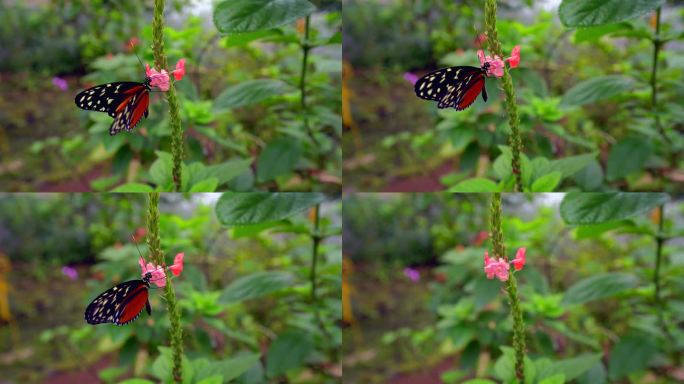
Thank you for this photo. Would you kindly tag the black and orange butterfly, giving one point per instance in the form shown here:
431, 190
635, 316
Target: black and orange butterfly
454, 87
125, 101
122, 303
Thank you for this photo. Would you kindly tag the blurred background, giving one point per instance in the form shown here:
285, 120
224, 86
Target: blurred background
418, 307
395, 141
244, 293
50, 50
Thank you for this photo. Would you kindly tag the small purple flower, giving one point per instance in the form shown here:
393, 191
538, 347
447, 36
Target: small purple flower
60, 83
412, 274
70, 272
411, 77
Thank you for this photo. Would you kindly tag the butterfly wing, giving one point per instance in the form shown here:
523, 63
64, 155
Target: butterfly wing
452, 87
117, 303
105, 97
131, 109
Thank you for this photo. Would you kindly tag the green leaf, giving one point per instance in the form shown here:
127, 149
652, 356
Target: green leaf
237, 16
632, 353
228, 369
599, 287
161, 170
133, 188
162, 366
206, 185
278, 158
288, 352
216, 379
592, 34
256, 285
259, 207
476, 185
596, 375
590, 178
570, 368
596, 230
229, 170
136, 381
555, 379
585, 13
595, 89
568, 166
596, 207
627, 156
547, 183
248, 93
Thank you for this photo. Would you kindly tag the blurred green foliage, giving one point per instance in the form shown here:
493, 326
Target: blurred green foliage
245, 293
587, 291
229, 145
580, 92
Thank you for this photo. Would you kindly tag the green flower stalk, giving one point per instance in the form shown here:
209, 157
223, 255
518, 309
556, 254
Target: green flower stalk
174, 109
496, 234
157, 255
511, 107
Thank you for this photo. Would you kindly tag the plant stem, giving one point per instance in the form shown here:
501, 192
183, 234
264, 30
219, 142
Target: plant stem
306, 48
316, 240
659, 253
511, 107
496, 234
157, 255
654, 71
174, 109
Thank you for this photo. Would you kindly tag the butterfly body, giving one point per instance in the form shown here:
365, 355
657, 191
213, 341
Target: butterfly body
120, 304
126, 101
453, 87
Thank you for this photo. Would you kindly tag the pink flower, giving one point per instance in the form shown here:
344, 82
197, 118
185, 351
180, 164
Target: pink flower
411, 77
514, 60
179, 72
158, 274
412, 274
519, 260
177, 266
498, 268
158, 79
494, 64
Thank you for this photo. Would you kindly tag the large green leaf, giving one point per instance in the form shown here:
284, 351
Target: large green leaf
547, 183
476, 185
595, 89
162, 368
570, 368
597, 207
259, 207
570, 165
236, 16
229, 369
585, 13
278, 158
161, 170
133, 188
256, 285
599, 287
249, 92
287, 352
229, 170
632, 353
627, 156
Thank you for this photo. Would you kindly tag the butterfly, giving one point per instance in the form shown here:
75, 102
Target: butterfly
454, 87
122, 303
125, 101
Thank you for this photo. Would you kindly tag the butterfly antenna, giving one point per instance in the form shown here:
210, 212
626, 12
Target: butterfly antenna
136, 55
140, 253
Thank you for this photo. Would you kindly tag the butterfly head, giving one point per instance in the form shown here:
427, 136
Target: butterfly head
147, 277
485, 68
147, 81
